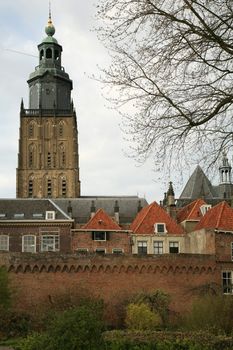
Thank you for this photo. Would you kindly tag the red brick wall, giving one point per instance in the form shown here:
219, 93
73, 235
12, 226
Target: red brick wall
116, 240
39, 279
16, 232
223, 246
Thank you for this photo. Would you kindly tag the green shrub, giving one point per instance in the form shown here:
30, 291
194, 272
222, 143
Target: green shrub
211, 313
140, 317
158, 301
79, 328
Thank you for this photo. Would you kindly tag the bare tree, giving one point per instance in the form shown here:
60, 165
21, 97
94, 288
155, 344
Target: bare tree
172, 66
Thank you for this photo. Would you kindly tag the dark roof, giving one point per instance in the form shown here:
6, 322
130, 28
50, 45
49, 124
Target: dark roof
29, 209
81, 207
198, 186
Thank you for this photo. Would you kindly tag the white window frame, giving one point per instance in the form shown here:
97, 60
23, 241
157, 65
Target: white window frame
227, 282
100, 240
81, 250
174, 244
31, 245
53, 245
4, 246
142, 244
100, 250
156, 228
204, 208
160, 247
50, 215
117, 251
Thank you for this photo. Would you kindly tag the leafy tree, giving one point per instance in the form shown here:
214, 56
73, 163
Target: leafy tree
158, 302
140, 317
75, 329
172, 65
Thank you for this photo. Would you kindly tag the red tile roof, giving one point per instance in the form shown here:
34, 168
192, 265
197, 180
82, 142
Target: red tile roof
101, 221
219, 217
191, 211
149, 216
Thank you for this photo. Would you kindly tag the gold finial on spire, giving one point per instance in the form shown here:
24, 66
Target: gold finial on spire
50, 30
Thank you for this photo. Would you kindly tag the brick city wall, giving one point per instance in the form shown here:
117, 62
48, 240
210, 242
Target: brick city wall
41, 279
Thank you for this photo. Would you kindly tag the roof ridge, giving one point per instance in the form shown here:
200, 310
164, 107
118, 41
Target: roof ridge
220, 213
147, 209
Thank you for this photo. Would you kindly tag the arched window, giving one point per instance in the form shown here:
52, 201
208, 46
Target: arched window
61, 129
48, 53
31, 156
56, 55
31, 130
62, 156
41, 54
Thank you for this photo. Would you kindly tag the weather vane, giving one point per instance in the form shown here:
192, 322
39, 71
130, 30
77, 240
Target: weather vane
50, 9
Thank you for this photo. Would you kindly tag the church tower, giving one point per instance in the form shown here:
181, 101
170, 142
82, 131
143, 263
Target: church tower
48, 161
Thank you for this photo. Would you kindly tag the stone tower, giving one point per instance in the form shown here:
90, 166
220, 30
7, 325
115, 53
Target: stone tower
48, 161
225, 185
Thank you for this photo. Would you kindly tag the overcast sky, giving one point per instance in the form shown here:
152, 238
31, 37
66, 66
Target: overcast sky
104, 167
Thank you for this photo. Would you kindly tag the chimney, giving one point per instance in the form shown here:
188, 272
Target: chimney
93, 209
116, 212
139, 205
70, 210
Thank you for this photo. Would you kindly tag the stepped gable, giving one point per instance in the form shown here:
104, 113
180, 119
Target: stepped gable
149, 216
191, 211
220, 217
198, 186
101, 221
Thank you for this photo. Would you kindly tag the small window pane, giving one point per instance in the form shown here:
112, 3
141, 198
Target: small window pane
227, 282
117, 251
174, 247
29, 244
158, 247
142, 247
4, 242
99, 236
49, 243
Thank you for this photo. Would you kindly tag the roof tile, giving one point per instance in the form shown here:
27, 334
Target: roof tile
149, 216
220, 217
191, 211
101, 221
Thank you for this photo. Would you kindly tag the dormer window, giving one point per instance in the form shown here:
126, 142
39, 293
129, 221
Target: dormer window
204, 208
50, 215
160, 228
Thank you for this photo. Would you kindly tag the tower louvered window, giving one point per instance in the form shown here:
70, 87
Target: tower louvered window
30, 188
49, 188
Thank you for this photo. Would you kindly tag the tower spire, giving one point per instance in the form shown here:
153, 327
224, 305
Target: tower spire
50, 10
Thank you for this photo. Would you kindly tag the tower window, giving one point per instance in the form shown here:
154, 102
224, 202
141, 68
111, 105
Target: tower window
41, 54
63, 159
49, 188
30, 159
30, 188
31, 130
63, 187
60, 130
56, 54
48, 53
49, 160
